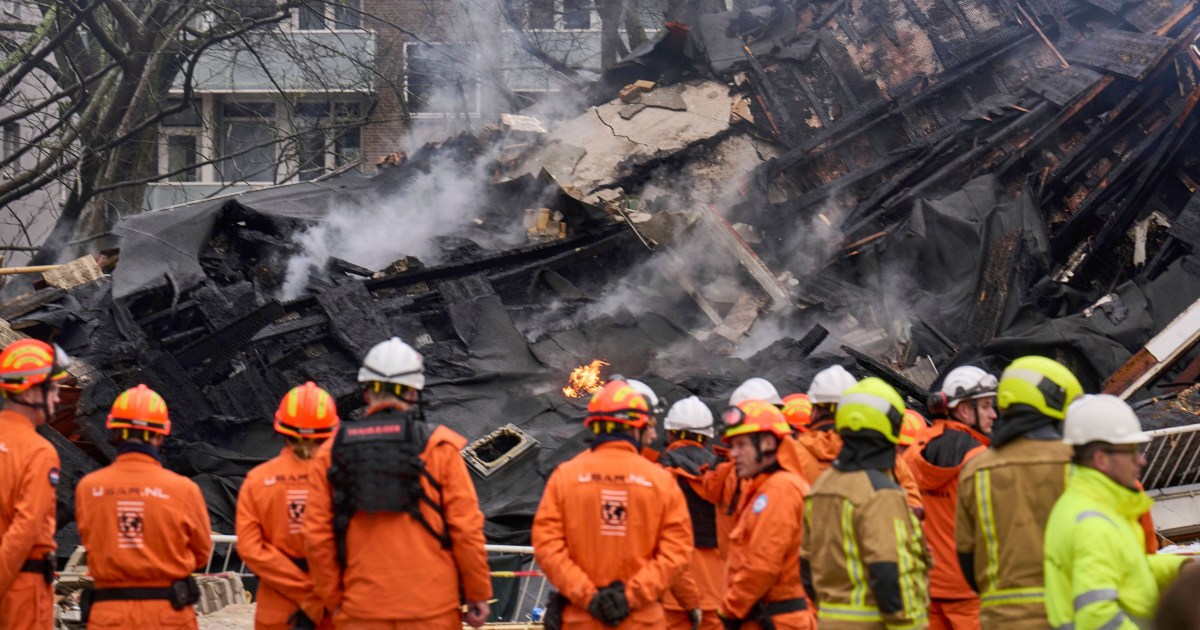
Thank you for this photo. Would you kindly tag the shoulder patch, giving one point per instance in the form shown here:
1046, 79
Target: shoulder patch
760, 503
54, 477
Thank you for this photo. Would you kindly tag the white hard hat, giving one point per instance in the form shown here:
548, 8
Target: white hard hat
393, 361
690, 414
827, 386
968, 382
755, 389
1102, 418
646, 393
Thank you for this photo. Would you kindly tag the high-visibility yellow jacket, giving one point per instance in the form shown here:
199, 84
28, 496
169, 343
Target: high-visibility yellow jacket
1098, 574
1004, 499
863, 556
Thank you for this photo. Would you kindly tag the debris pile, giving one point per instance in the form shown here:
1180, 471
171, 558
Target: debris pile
894, 186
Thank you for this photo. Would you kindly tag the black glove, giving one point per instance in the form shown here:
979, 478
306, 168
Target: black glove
609, 605
730, 623
696, 616
300, 621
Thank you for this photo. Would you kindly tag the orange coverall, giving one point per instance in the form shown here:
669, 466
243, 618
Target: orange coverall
270, 517
606, 515
701, 583
954, 604
397, 574
721, 487
28, 478
144, 527
819, 448
764, 553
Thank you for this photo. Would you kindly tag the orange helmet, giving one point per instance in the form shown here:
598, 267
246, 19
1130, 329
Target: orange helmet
307, 412
797, 410
141, 409
618, 402
754, 416
912, 423
28, 362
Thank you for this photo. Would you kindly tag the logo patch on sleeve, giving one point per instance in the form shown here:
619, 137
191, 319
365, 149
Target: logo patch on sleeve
760, 503
54, 476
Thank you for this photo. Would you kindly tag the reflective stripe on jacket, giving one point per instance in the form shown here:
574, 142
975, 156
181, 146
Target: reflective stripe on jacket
1098, 574
1004, 499
863, 553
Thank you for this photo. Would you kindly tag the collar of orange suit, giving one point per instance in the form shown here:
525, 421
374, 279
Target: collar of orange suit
138, 447
8, 415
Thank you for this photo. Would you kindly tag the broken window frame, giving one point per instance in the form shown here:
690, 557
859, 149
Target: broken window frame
474, 93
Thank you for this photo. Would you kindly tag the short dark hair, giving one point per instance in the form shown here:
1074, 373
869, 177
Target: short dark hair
1082, 455
1179, 608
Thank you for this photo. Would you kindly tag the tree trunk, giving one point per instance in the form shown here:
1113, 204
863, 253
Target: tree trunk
610, 35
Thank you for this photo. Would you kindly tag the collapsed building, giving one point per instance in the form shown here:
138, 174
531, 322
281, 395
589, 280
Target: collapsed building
899, 187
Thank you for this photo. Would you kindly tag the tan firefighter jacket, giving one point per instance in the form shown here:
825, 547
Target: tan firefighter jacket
863, 554
1004, 500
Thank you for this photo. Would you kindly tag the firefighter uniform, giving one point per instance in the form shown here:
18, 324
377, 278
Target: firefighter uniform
270, 520
699, 586
865, 552
764, 556
1098, 574
936, 459
1004, 498
397, 572
28, 479
144, 527
609, 515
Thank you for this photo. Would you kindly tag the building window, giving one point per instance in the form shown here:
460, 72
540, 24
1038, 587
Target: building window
182, 157
438, 79
247, 136
577, 14
12, 140
541, 14
335, 14
328, 136
186, 117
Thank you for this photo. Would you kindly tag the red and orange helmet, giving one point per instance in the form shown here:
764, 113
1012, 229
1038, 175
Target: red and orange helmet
307, 412
754, 416
618, 402
912, 424
140, 409
797, 410
28, 362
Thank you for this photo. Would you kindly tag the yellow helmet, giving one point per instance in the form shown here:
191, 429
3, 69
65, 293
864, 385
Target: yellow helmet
1038, 382
871, 405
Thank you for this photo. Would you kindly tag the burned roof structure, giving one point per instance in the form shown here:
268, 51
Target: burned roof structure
897, 186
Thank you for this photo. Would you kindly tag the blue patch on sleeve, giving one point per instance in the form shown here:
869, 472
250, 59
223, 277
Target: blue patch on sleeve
760, 503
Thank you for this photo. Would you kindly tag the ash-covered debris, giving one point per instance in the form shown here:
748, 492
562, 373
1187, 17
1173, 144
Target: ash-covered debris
894, 186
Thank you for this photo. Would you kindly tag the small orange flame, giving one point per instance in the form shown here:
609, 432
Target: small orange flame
584, 380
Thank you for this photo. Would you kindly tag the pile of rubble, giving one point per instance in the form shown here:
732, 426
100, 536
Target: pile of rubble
895, 186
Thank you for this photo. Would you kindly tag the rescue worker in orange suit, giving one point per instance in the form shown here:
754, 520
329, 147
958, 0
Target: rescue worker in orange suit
612, 531
692, 600
967, 402
29, 372
270, 514
396, 553
763, 588
146, 529
1006, 493
820, 445
911, 425
863, 555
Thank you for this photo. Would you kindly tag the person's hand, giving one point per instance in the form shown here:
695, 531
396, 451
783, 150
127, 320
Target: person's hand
697, 617
477, 613
609, 604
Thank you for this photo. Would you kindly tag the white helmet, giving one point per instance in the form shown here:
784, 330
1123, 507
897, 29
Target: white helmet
690, 414
827, 386
1102, 418
967, 383
646, 393
755, 389
393, 361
